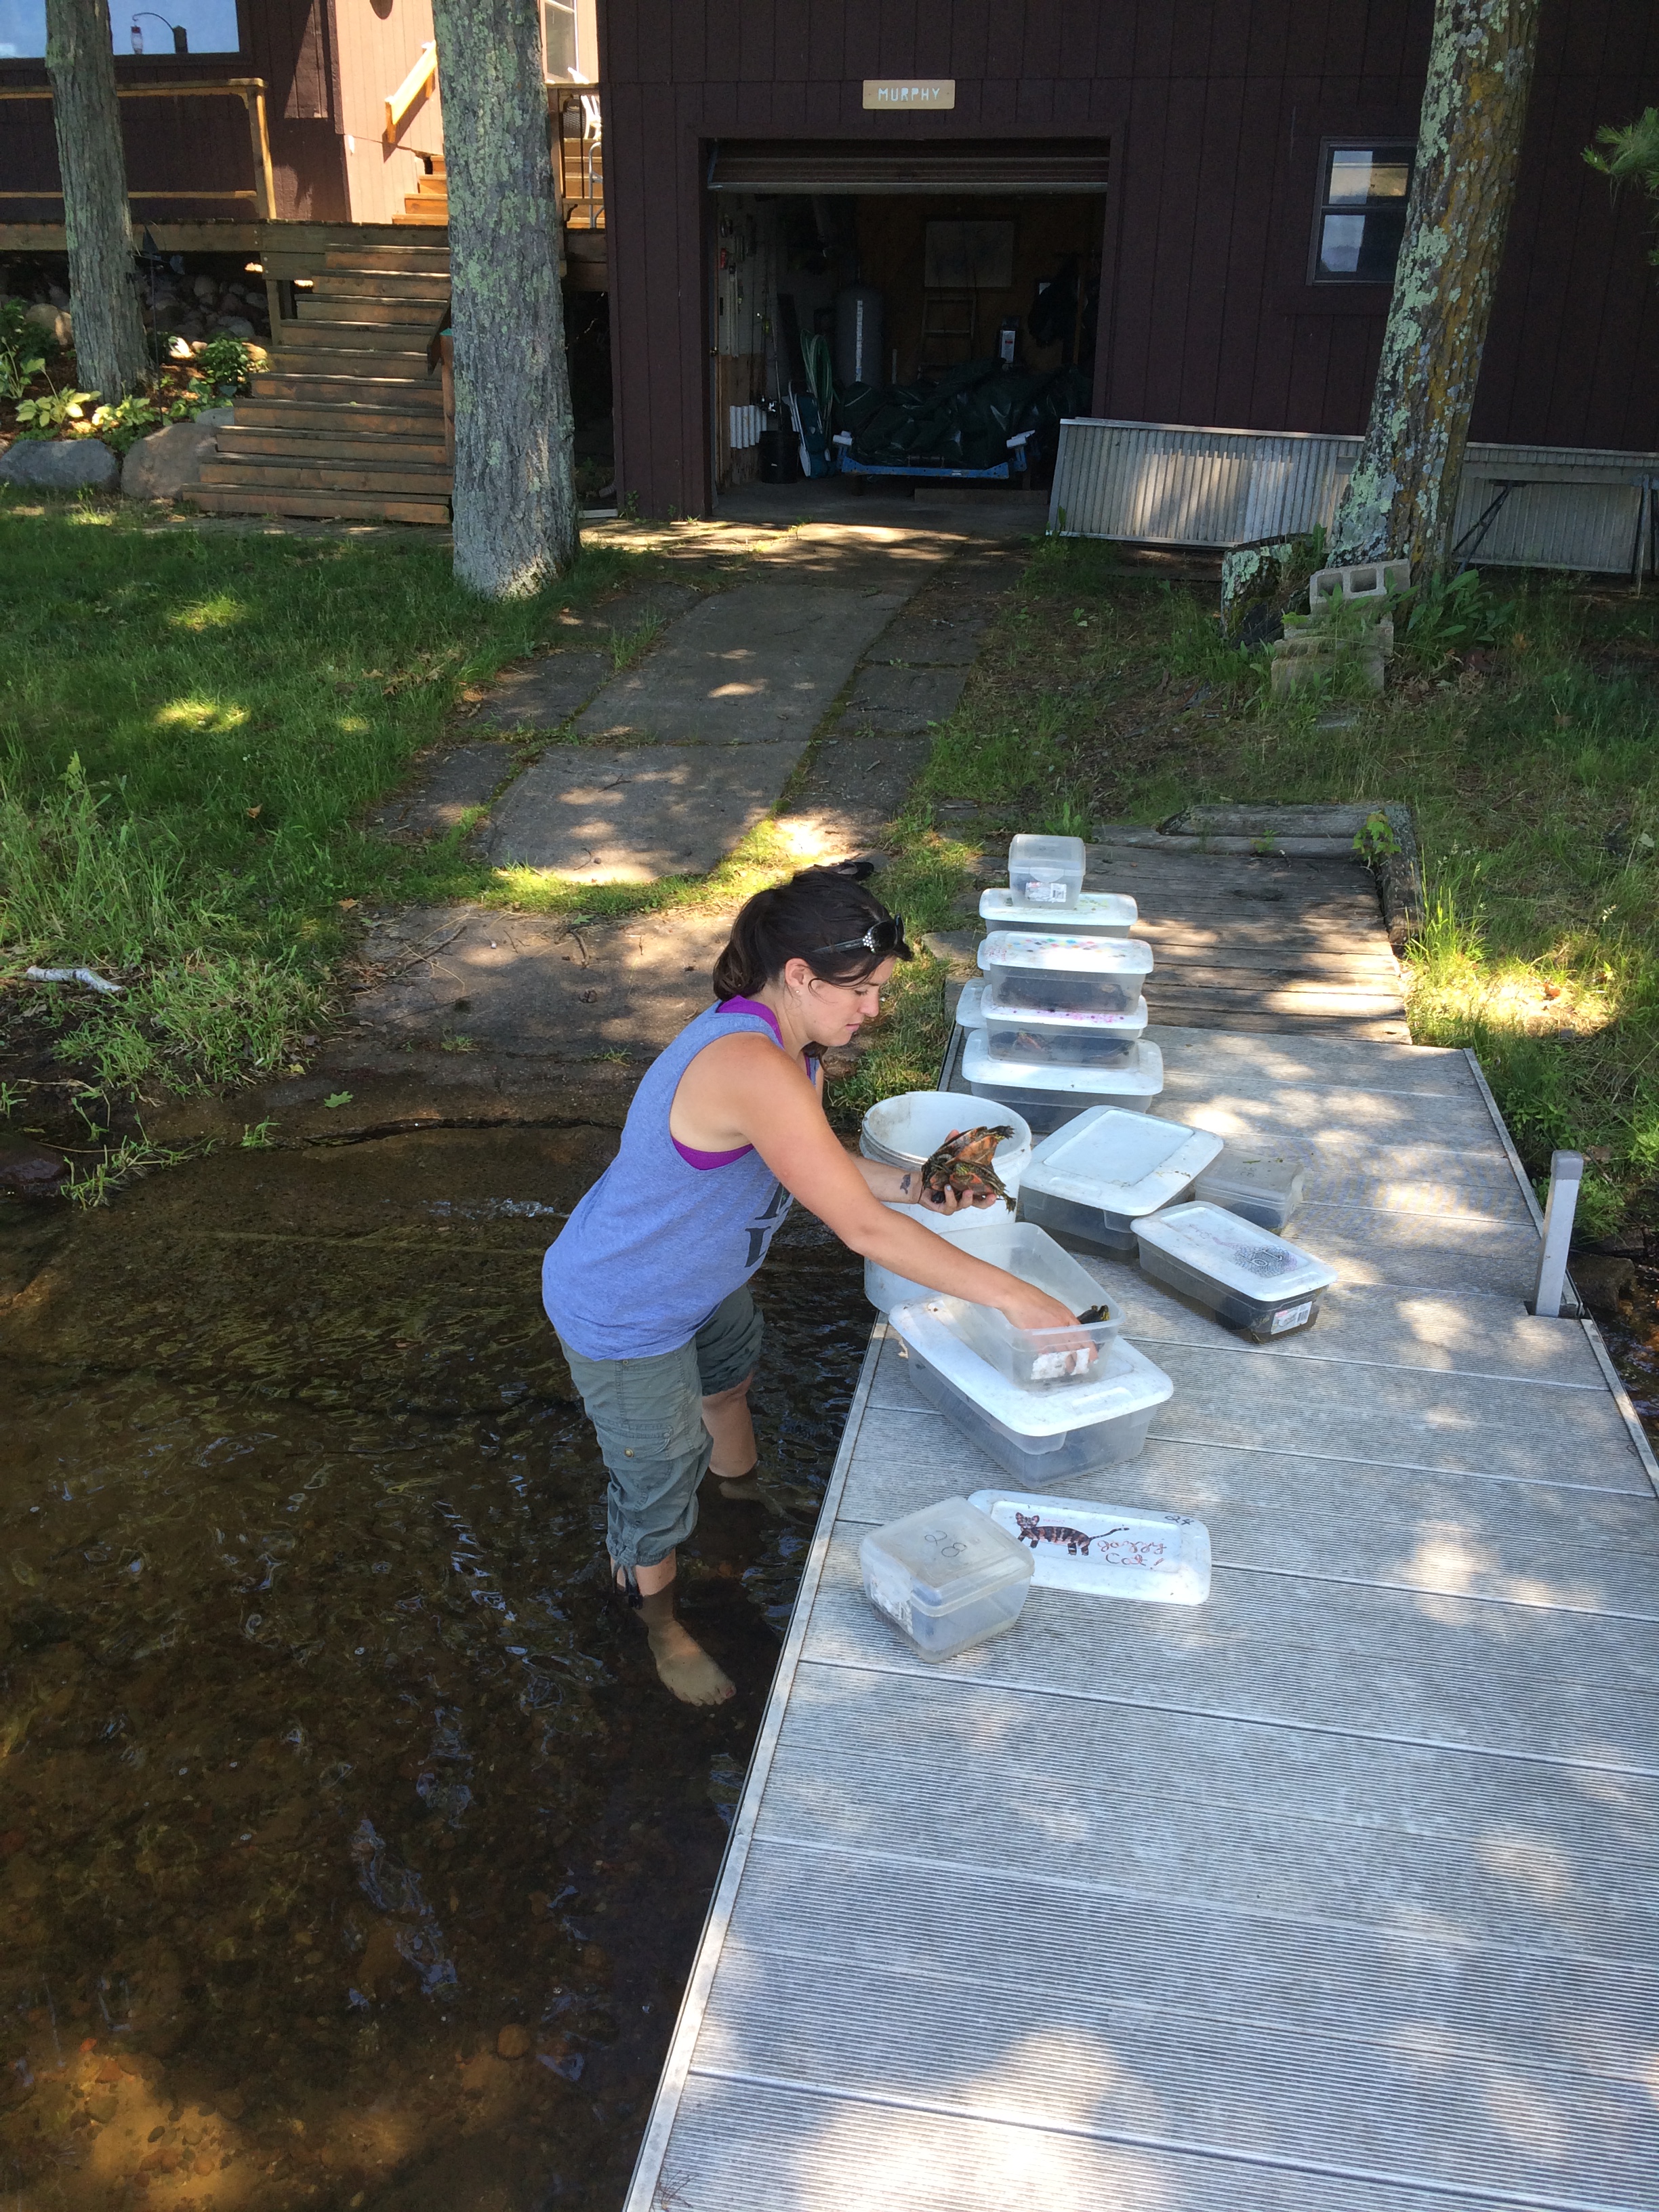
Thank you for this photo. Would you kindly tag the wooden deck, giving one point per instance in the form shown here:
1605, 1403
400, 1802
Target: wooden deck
1334, 1894
1261, 943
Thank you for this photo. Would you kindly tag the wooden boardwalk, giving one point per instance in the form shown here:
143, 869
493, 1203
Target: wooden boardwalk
1334, 1894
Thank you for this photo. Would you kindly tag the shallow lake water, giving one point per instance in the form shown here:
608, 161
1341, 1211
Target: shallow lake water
351, 1853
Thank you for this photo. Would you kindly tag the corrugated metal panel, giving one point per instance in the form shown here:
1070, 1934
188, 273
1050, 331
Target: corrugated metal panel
1161, 483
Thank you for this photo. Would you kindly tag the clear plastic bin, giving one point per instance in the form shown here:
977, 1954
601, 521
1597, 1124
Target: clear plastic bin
969, 1226
1105, 1551
1035, 1358
1064, 1040
1266, 1188
1245, 1276
1049, 970
948, 1577
1091, 1181
1036, 1437
1047, 1097
1095, 914
1045, 871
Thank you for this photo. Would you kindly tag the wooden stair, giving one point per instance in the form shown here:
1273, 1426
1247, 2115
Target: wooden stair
428, 204
346, 421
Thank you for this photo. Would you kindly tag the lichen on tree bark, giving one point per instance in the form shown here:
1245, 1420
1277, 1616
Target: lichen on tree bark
515, 496
1402, 498
111, 356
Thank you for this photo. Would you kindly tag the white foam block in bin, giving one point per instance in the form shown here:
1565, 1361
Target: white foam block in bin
1105, 1551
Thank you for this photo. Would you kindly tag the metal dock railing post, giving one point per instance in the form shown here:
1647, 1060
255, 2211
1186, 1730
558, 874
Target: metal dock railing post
1566, 1172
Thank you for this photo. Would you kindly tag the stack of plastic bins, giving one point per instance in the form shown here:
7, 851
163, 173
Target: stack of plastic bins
905, 1131
1090, 1182
1108, 1060
1043, 1438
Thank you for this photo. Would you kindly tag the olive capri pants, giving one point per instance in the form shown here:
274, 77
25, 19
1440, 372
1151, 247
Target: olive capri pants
648, 1416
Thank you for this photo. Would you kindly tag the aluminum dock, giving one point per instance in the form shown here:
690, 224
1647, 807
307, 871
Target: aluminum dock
1336, 1894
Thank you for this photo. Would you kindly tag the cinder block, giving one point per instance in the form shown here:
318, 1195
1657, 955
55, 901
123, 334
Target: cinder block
1364, 580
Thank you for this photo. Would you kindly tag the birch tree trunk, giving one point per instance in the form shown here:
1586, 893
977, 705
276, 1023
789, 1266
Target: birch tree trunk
111, 356
515, 490
1402, 498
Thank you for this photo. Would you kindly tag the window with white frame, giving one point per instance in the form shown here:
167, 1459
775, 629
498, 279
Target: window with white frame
561, 58
1361, 217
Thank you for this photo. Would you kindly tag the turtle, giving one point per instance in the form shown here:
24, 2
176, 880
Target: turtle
964, 1164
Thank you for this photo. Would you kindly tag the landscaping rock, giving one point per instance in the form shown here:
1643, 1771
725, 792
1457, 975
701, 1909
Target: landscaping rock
160, 465
1602, 1282
59, 464
233, 326
56, 322
30, 1171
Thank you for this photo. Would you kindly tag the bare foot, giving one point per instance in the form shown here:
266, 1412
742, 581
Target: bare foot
686, 1668
741, 1489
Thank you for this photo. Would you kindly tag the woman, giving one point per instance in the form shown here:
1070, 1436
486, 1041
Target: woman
647, 1285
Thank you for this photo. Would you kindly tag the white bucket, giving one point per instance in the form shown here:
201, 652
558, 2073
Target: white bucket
903, 1131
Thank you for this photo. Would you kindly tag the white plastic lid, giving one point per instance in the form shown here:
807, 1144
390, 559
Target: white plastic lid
1113, 910
951, 1551
1142, 1077
1129, 1384
1234, 1252
1072, 955
1122, 1162
1058, 1021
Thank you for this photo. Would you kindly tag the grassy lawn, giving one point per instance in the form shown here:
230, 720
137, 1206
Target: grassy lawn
192, 726
1529, 745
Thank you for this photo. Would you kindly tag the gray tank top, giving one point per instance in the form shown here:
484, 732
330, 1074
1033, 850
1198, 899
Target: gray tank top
658, 1242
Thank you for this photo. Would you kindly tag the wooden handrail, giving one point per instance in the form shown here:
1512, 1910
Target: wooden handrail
413, 88
250, 90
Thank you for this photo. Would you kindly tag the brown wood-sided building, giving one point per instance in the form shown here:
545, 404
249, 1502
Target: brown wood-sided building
1215, 186
1194, 148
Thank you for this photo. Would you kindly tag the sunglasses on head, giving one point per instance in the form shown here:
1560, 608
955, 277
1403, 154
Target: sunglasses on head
882, 937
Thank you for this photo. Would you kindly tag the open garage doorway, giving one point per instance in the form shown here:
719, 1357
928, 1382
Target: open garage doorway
886, 320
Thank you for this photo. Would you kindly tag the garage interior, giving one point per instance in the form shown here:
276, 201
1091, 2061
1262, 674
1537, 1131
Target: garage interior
839, 270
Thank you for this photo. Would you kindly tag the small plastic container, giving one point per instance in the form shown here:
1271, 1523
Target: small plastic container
1045, 871
1048, 971
905, 1131
1266, 1188
1093, 914
1091, 1181
1064, 1039
1035, 1358
1105, 1551
948, 1577
1245, 1276
1036, 1437
1048, 1097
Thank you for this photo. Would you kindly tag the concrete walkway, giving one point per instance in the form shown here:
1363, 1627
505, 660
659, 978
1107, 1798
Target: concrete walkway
594, 773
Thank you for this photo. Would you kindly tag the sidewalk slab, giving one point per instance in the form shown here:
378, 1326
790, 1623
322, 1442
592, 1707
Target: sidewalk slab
546, 692
633, 815
903, 701
463, 779
749, 666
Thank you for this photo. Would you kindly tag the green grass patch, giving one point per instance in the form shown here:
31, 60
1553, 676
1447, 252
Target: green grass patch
1532, 762
192, 728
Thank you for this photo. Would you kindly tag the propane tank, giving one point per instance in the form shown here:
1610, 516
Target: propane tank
858, 335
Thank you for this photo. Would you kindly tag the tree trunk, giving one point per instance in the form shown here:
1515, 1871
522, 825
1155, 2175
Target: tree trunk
515, 491
111, 356
1402, 499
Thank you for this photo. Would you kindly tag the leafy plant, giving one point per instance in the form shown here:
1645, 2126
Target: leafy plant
226, 365
1375, 839
1453, 614
50, 416
1630, 153
22, 357
122, 426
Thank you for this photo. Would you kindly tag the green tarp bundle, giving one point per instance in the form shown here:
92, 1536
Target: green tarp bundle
961, 419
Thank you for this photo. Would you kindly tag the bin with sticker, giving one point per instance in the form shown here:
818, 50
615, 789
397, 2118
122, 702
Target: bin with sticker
1243, 1275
